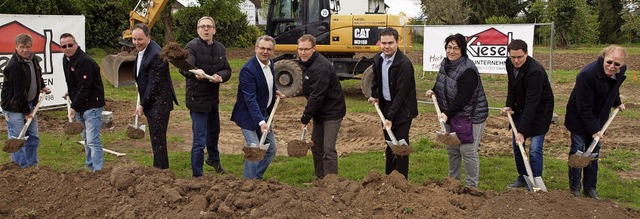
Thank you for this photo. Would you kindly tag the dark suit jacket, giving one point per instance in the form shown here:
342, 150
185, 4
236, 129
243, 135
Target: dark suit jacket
530, 97
253, 95
402, 86
154, 81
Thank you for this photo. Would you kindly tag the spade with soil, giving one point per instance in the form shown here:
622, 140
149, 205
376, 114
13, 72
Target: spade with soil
14, 144
399, 147
255, 152
582, 159
72, 127
299, 148
136, 131
534, 184
442, 136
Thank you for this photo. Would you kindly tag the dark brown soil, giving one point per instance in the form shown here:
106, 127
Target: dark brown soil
577, 161
135, 133
253, 153
13, 145
130, 191
401, 150
173, 51
297, 148
73, 128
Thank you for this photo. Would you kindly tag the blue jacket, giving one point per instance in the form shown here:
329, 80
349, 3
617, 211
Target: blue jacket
592, 98
253, 95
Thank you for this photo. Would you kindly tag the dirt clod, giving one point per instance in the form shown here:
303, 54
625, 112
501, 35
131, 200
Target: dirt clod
402, 150
297, 148
253, 154
173, 51
73, 128
577, 161
13, 145
134, 133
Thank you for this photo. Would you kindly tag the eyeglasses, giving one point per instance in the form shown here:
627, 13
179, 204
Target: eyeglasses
305, 49
452, 48
68, 45
206, 26
265, 49
617, 64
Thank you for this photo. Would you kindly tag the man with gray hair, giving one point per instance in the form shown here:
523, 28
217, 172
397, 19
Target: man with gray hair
202, 96
255, 101
22, 83
597, 90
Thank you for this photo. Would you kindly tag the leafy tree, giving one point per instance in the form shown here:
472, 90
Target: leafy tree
483, 9
575, 22
445, 12
609, 19
631, 17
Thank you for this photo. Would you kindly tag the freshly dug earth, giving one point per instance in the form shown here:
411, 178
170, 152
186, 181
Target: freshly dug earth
297, 148
73, 128
130, 191
401, 150
135, 133
577, 161
253, 153
13, 145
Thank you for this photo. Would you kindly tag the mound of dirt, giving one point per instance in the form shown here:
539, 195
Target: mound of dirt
131, 191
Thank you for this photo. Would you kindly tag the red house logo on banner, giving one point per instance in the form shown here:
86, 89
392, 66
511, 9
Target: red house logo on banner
43, 46
489, 43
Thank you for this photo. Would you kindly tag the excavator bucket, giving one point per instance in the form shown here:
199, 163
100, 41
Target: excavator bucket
118, 69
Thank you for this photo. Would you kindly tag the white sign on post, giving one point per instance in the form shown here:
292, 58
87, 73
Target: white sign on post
45, 31
486, 44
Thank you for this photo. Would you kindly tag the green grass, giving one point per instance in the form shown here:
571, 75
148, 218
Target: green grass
428, 162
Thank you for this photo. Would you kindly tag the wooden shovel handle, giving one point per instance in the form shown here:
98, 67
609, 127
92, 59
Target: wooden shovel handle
382, 119
69, 108
34, 111
604, 128
435, 103
273, 112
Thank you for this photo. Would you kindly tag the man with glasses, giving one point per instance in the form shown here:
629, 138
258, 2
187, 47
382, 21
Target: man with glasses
21, 85
325, 105
202, 96
86, 92
256, 96
596, 91
530, 99
155, 90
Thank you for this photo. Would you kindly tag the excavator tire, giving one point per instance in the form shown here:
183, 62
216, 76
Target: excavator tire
366, 81
288, 77
118, 69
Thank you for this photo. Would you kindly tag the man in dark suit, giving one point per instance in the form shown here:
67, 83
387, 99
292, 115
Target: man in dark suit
394, 89
530, 97
255, 100
155, 90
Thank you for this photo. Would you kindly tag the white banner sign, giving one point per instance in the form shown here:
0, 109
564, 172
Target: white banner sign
45, 30
486, 44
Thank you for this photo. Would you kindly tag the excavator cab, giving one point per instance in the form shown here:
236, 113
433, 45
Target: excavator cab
119, 68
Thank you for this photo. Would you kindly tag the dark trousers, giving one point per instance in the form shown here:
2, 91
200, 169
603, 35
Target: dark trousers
325, 156
158, 123
401, 131
588, 174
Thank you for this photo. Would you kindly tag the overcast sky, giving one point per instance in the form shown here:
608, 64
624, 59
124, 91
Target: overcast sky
409, 7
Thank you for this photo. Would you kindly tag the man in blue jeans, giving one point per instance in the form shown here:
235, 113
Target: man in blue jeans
597, 90
202, 95
530, 98
22, 84
257, 93
85, 89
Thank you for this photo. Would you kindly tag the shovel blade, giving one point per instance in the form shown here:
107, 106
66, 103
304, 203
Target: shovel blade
531, 186
540, 184
264, 146
402, 142
143, 128
579, 153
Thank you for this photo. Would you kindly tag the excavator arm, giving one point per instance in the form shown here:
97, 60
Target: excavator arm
118, 69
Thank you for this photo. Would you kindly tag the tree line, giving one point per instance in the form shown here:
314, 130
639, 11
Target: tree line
576, 21
106, 19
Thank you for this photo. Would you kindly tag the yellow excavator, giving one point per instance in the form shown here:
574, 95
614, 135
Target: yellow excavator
118, 69
339, 37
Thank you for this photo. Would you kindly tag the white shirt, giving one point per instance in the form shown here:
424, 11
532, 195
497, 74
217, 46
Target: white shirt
140, 54
269, 77
386, 63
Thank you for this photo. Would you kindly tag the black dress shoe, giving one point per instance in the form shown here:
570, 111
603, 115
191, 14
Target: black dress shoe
575, 193
217, 166
592, 193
